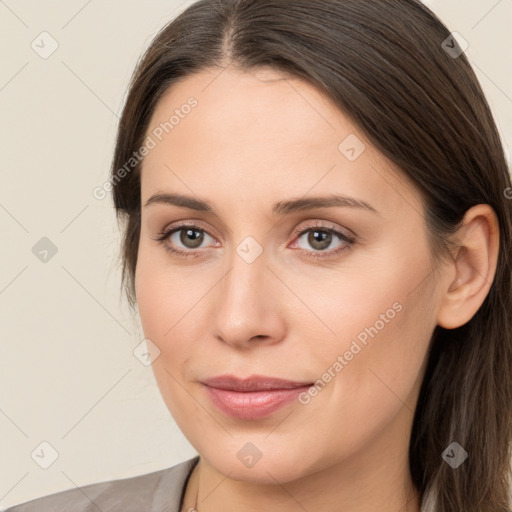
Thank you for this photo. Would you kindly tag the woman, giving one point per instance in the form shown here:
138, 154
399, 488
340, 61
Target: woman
316, 225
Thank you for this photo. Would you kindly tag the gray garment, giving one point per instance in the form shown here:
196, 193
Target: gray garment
160, 491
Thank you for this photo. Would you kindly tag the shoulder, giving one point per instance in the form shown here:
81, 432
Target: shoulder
160, 490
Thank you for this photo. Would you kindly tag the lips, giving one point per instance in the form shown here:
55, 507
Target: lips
254, 383
254, 397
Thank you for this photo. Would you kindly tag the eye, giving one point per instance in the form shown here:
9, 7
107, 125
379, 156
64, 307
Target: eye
320, 237
189, 236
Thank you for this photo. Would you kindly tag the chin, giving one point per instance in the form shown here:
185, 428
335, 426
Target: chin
257, 459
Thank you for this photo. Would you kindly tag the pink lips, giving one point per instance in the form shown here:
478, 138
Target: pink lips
252, 398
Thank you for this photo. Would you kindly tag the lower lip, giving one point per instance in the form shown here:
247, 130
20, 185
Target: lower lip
254, 404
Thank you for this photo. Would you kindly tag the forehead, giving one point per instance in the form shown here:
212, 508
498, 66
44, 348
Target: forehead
249, 130
245, 108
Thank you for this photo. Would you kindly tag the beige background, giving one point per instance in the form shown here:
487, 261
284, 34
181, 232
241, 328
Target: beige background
68, 375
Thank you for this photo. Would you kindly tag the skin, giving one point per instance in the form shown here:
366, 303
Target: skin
255, 139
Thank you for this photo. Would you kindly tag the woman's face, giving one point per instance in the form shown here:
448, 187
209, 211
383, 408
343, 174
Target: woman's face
281, 278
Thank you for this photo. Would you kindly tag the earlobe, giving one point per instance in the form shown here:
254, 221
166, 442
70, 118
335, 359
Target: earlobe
472, 269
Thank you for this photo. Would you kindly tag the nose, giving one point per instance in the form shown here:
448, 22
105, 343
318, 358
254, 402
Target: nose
250, 307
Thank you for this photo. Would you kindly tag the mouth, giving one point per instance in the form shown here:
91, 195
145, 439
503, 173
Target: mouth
254, 397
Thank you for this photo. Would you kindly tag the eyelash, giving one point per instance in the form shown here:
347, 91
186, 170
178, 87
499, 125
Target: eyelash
166, 233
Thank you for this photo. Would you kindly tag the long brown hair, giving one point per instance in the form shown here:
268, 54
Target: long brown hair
394, 69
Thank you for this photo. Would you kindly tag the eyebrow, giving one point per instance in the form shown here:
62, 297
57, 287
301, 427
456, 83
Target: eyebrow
280, 208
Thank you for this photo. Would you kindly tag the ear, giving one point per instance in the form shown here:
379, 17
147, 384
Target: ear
473, 268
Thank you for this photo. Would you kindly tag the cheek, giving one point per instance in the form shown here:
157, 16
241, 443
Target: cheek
160, 300
169, 300
163, 307
382, 320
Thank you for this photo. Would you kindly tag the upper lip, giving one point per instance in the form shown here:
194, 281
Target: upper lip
252, 383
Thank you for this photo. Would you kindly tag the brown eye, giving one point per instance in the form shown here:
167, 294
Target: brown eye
319, 240
191, 238
183, 240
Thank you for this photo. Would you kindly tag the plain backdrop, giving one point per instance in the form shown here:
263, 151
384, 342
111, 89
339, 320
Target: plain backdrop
73, 395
